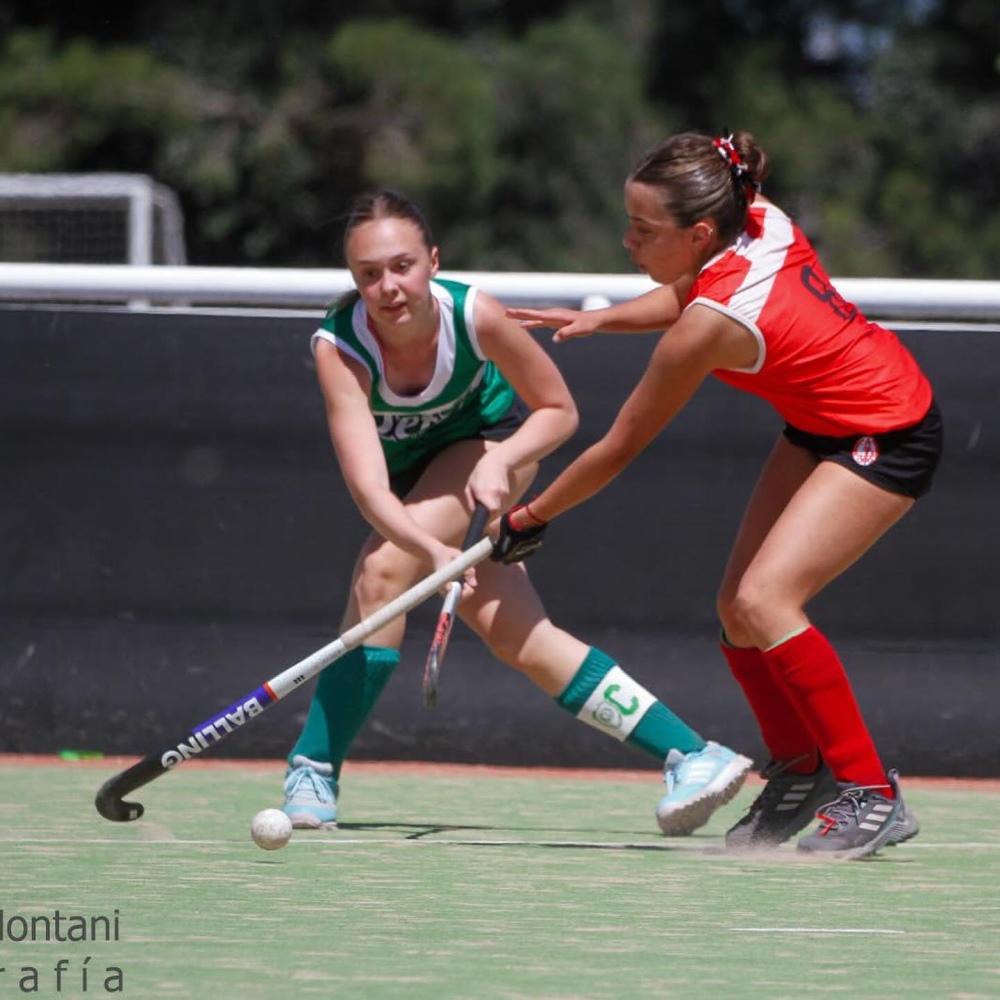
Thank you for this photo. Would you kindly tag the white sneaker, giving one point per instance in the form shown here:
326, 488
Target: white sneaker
697, 784
310, 794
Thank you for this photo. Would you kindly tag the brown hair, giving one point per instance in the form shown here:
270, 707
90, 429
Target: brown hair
384, 204
702, 177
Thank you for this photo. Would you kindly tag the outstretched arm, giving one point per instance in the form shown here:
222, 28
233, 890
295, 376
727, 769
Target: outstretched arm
657, 309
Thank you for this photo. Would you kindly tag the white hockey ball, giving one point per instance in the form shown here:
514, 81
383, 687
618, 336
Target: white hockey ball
271, 829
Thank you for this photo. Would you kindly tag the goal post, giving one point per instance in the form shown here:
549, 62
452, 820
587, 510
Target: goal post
100, 218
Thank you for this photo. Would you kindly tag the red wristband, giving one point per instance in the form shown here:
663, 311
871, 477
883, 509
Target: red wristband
534, 517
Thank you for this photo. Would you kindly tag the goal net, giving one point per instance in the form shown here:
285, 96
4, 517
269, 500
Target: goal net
89, 219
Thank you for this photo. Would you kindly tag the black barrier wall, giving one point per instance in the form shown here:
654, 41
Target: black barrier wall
174, 532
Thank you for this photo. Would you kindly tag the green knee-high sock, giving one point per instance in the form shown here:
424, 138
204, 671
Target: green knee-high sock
605, 697
345, 695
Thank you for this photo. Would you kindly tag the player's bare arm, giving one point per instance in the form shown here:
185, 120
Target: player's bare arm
537, 380
702, 340
653, 311
345, 384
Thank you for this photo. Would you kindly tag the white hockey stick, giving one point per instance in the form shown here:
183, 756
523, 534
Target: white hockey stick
110, 797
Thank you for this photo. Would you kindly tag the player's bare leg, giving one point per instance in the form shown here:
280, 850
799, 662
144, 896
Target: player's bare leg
801, 694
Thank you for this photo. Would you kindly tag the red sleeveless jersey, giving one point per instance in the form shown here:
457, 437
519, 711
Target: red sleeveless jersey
822, 365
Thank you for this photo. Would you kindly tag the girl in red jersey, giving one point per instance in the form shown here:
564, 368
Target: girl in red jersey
743, 297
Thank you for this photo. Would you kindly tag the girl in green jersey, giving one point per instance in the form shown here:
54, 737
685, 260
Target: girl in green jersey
436, 400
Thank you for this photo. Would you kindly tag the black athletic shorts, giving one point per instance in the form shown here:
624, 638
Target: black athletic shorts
902, 461
403, 481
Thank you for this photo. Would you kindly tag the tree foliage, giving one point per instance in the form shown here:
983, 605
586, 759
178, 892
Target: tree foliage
514, 124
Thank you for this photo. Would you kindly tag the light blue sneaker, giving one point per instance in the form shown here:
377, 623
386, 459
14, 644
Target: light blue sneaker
697, 784
310, 794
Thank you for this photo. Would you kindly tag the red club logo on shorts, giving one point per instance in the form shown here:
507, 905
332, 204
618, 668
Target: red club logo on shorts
865, 450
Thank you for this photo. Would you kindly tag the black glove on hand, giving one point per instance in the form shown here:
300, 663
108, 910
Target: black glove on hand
514, 544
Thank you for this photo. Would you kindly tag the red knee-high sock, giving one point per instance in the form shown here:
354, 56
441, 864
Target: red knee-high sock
814, 678
783, 732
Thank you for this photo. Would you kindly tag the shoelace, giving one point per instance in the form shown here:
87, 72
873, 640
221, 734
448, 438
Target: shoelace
843, 810
319, 788
847, 807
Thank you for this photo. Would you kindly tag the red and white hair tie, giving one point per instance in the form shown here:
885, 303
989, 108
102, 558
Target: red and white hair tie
741, 172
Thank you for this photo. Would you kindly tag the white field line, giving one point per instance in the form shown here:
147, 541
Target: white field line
332, 839
814, 930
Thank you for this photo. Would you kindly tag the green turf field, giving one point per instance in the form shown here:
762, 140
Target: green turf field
477, 885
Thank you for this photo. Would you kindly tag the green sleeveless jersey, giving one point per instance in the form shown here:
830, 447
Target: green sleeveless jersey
465, 394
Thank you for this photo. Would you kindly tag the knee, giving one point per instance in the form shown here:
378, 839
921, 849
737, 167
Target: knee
379, 577
727, 609
744, 611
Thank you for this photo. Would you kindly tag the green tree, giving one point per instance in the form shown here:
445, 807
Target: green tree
513, 123
574, 120
425, 114
79, 106
936, 97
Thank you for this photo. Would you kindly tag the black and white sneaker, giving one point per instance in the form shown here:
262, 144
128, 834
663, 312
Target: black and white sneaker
786, 805
858, 823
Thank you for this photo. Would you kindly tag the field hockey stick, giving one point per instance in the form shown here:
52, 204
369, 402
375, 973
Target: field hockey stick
110, 797
432, 666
